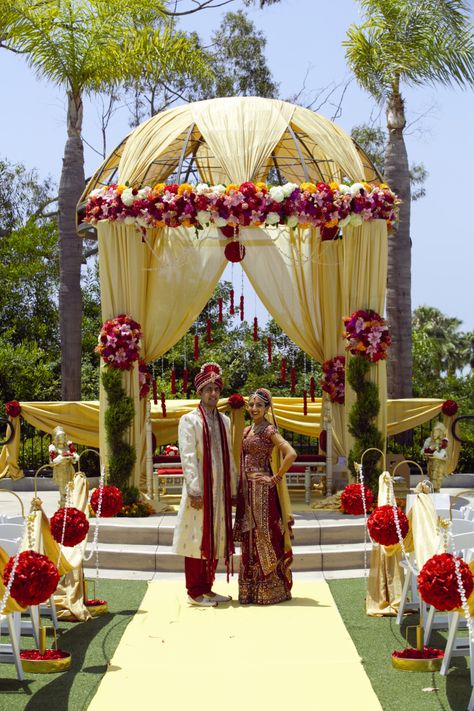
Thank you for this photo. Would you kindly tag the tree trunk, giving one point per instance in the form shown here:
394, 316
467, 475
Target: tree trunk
70, 253
397, 175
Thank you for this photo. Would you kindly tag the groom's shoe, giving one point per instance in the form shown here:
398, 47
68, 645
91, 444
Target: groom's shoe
202, 601
217, 598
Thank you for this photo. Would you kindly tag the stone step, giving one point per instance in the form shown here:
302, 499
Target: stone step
152, 558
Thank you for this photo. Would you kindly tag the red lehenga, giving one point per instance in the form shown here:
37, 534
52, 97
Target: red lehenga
265, 574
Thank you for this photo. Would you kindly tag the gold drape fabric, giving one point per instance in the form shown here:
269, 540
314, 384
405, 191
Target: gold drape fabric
454, 447
9, 454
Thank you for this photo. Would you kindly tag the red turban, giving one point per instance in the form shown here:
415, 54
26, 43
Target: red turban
209, 373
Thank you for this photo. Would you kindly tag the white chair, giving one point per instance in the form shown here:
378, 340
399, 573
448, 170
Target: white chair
11, 652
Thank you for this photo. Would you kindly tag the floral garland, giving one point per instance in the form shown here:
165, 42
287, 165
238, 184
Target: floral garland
119, 342
367, 335
248, 205
333, 380
145, 378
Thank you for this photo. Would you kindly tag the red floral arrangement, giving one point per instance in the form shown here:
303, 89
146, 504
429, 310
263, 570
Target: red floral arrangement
111, 501
95, 603
119, 342
234, 251
425, 653
236, 401
48, 655
367, 335
449, 408
36, 578
145, 378
382, 528
334, 378
171, 450
438, 583
351, 499
77, 526
13, 408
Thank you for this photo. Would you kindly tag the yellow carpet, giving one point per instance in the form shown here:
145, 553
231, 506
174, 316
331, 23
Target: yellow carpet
296, 655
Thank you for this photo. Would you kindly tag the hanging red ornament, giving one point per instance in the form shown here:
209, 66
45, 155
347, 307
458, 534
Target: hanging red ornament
230, 231
305, 402
208, 331
155, 395
163, 404
231, 309
293, 380
242, 307
312, 386
185, 380
219, 317
234, 251
283, 371
329, 233
269, 349
255, 329
173, 381
196, 347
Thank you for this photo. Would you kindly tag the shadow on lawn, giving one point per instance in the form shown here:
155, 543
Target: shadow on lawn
77, 638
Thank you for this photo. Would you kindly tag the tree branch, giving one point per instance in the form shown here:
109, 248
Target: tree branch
205, 5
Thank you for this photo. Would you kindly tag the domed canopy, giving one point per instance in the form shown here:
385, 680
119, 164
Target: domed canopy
231, 140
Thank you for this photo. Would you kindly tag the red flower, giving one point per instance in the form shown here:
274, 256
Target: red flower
248, 189
94, 603
77, 526
119, 342
425, 653
111, 501
13, 408
234, 251
449, 408
49, 654
236, 401
381, 525
351, 499
36, 578
438, 584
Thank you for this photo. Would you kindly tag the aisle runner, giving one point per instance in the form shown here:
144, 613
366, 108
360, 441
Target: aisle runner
295, 655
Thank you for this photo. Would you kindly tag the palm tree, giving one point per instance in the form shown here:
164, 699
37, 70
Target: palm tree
406, 43
86, 46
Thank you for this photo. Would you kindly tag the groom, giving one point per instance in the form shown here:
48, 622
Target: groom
203, 532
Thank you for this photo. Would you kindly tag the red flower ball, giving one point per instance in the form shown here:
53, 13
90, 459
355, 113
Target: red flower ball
36, 578
351, 499
236, 401
449, 408
13, 408
111, 501
438, 583
234, 251
230, 230
77, 526
329, 233
381, 525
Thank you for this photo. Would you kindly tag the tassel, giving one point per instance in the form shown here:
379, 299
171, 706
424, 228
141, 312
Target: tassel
155, 395
242, 307
163, 404
196, 347
255, 329
208, 331
283, 371
185, 380
231, 309
269, 349
293, 380
219, 317
312, 389
305, 402
173, 381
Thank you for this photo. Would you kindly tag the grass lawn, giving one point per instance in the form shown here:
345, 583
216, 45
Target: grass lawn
92, 645
377, 637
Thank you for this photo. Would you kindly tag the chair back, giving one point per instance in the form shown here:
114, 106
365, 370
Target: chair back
462, 543
10, 546
11, 530
4, 518
441, 502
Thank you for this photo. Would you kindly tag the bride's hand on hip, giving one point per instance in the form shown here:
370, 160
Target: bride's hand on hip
264, 479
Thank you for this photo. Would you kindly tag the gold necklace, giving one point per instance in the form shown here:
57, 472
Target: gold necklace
259, 428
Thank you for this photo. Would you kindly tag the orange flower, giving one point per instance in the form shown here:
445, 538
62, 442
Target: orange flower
331, 223
368, 187
310, 187
185, 188
186, 223
231, 188
159, 188
120, 188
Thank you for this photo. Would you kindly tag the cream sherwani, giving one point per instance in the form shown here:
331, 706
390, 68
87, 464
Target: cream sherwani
188, 532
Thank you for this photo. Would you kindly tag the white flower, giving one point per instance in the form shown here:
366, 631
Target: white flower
143, 221
288, 189
96, 192
345, 221
218, 189
356, 188
220, 222
272, 218
51, 448
292, 220
129, 220
344, 189
203, 217
356, 220
201, 188
143, 193
128, 198
277, 193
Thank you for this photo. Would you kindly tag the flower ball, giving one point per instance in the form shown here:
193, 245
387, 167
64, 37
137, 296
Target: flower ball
234, 251
449, 408
438, 582
382, 528
351, 499
36, 578
111, 501
76, 529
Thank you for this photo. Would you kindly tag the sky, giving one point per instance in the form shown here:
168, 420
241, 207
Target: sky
303, 48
